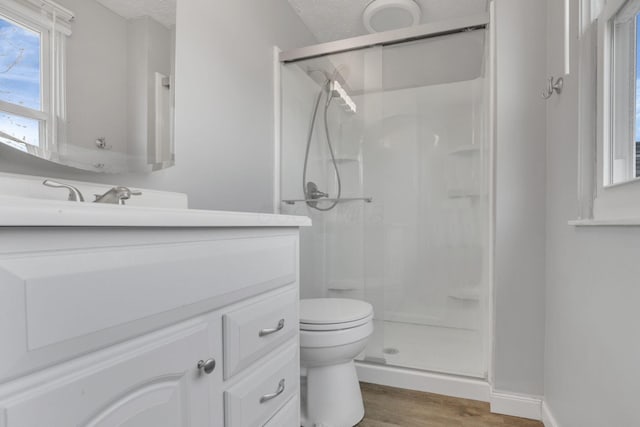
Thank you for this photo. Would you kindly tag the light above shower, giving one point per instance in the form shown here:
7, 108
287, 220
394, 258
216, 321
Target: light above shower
345, 100
387, 15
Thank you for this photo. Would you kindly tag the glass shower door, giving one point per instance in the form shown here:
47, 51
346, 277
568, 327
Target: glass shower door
415, 147
333, 249
426, 233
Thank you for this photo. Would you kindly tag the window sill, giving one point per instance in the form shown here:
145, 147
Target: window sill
627, 222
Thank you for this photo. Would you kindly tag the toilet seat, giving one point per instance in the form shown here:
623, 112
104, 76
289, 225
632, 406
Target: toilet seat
328, 327
333, 314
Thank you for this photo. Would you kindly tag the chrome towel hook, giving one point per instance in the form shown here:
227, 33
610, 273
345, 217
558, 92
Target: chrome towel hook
554, 85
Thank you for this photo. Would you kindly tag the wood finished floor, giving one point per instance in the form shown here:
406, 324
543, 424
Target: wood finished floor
394, 407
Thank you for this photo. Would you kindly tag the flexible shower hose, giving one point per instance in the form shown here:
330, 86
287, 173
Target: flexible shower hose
313, 205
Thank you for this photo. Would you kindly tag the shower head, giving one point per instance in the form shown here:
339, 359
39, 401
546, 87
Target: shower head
337, 91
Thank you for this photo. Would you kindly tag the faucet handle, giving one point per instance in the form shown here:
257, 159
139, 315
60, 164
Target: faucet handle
74, 194
117, 195
125, 193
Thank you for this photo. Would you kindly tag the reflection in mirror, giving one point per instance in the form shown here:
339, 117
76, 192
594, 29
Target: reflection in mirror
89, 83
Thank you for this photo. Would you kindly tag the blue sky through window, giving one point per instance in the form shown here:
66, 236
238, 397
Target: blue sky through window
20, 80
19, 65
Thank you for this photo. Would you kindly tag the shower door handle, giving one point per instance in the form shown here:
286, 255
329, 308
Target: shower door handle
265, 332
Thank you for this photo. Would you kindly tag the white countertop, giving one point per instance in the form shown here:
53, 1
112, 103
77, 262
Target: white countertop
28, 212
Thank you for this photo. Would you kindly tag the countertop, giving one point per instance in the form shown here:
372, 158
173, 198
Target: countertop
28, 212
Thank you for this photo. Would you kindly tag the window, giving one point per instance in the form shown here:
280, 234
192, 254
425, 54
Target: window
617, 187
32, 41
624, 123
21, 83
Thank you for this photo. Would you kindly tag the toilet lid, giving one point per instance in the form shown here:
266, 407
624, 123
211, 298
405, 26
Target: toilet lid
331, 311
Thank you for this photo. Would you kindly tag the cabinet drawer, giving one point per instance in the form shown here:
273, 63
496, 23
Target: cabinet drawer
255, 399
288, 416
253, 330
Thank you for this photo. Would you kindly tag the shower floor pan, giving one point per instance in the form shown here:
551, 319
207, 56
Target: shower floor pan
429, 348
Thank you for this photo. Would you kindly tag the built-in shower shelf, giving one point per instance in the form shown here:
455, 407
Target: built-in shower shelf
341, 200
465, 150
345, 160
466, 294
462, 193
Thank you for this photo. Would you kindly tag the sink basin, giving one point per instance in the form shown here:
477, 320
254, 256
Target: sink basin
25, 202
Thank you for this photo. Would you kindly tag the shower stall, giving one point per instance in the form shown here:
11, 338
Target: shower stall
385, 146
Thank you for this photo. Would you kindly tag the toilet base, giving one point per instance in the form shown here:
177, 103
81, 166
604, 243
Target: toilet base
331, 396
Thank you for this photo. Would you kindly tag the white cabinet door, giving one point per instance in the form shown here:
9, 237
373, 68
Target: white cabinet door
153, 381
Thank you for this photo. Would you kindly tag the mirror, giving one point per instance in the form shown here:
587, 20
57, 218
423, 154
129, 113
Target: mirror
89, 83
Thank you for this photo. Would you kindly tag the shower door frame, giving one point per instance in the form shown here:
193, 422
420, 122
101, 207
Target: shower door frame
386, 38
453, 26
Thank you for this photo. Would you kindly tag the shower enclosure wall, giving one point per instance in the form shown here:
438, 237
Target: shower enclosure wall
410, 233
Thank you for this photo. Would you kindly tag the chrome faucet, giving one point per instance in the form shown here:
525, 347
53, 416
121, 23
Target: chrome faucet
74, 194
116, 195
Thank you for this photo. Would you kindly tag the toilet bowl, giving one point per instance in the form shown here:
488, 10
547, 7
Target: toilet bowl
333, 331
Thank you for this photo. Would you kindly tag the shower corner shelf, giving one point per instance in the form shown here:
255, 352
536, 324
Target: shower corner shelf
343, 160
465, 150
341, 200
466, 294
462, 193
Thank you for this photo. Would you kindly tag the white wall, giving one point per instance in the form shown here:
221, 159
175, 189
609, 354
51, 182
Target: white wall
224, 106
520, 197
592, 377
149, 51
97, 76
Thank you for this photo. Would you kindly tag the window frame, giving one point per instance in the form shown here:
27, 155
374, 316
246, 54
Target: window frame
52, 113
621, 200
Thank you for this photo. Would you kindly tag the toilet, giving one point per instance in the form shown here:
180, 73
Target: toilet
333, 331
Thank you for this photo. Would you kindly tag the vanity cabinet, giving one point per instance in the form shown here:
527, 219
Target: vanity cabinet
149, 326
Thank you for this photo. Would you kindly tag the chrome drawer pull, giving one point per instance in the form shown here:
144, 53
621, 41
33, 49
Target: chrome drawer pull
265, 332
268, 397
208, 366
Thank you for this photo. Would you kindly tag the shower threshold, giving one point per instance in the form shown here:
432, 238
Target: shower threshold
427, 381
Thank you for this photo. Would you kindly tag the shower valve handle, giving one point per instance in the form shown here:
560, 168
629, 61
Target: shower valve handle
318, 194
313, 192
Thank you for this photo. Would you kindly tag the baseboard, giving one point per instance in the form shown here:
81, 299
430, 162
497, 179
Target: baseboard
547, 417
516, 405
451, 385
448, 385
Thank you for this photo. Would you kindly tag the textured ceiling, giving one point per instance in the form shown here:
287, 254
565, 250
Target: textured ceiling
163, 11
332, 20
